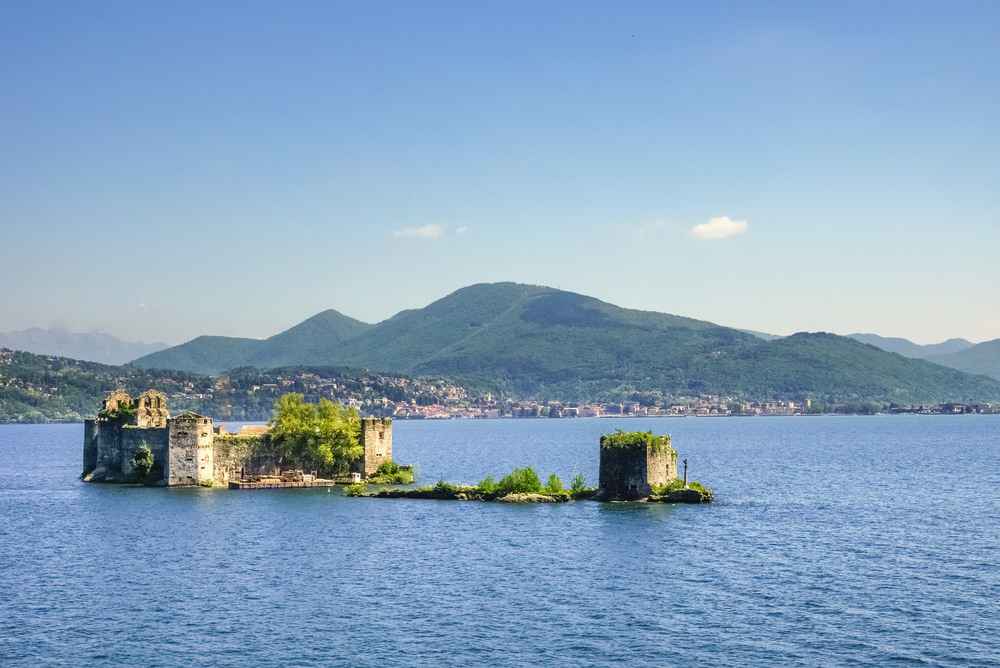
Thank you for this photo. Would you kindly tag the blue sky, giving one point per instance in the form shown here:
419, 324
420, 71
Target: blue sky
171, 169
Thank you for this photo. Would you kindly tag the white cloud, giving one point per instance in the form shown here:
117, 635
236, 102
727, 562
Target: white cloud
717, 228
430, 231
462, 230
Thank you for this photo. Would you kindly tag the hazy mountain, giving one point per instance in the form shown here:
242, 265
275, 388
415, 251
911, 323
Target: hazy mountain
908, 348
91, 346
981, 358
762, 335
544, 342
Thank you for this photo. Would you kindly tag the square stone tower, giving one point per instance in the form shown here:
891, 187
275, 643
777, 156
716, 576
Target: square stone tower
189, 461
632, 463
376, 439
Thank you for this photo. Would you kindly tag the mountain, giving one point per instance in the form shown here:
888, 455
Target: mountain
908, 348
981, 358
212, 354
91, 346
547, 343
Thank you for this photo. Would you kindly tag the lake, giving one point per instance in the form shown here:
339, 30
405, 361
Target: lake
833, 541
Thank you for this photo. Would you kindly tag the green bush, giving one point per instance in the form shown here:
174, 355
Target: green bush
555, 484
357, 489
577, 484
674, 485
142, 462
388, 468
391, 473
488, 485
520, 481
443, 486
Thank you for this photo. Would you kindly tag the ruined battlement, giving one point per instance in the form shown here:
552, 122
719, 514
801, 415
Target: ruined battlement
185, 450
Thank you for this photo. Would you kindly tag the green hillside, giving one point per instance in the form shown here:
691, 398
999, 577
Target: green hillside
213, 354
205, 355
981, 358
541, 342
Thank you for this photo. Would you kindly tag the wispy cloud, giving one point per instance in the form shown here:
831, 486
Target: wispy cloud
430, 231
718, 228
649, 228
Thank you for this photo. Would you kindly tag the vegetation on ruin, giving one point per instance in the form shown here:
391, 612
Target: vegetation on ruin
637, 440
320, 437
124, 411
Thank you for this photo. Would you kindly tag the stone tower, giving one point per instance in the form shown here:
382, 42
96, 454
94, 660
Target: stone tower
190, 457
376, 439
632, 463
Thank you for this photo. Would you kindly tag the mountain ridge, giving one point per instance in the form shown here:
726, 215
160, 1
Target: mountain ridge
85, 346
542, 342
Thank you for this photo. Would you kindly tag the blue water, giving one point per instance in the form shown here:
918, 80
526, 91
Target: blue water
833, 541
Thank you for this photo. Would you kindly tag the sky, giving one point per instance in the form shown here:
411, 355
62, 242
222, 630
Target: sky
173, 169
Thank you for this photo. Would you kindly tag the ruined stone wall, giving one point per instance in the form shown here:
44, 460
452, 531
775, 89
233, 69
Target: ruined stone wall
624, 473
189, 461
234, 457
109, 447
133, 437
661, 465
376, 439
151, 410
90, 439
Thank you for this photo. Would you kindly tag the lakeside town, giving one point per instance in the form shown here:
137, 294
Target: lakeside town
51, 389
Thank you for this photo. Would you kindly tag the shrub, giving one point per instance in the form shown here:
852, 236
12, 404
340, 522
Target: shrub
142, 462
357, 489
488, 485
443, 486
520, 481
388, 468
577, 484
391, 473
555, 484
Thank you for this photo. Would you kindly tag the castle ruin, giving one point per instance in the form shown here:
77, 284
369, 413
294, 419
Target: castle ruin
185, 447
631, 464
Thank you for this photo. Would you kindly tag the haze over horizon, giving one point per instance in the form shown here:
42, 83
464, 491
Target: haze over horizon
173, 170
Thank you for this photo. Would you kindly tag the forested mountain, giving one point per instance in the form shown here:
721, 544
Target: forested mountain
541, 342
299, 345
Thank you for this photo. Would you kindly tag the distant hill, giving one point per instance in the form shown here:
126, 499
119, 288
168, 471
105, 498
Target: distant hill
91, 346
981, 358
908, 348
538, 341
212, 354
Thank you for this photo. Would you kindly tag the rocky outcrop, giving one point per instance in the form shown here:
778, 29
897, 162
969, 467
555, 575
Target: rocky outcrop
534, 498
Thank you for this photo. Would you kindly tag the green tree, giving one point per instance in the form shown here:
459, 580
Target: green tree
577, 484
520, 481
142, 461
555, 484
321, 437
